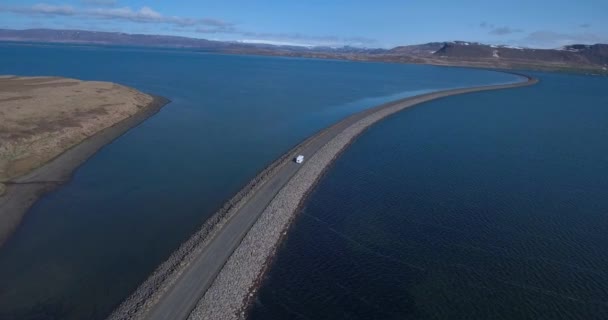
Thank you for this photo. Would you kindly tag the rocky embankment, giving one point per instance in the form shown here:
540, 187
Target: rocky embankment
235, 286
229, 292
165, 275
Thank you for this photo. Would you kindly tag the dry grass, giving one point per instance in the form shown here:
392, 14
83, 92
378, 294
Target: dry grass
41, 117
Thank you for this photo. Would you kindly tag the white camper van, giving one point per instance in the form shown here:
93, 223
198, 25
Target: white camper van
300, 159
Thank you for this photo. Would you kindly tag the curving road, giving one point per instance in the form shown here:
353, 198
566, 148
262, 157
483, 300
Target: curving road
180, 299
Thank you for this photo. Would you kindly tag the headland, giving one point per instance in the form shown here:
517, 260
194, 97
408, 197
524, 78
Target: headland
51, 125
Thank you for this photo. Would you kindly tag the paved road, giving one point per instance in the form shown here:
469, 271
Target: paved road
179, 301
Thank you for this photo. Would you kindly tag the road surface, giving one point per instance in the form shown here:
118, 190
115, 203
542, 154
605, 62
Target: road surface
181, 298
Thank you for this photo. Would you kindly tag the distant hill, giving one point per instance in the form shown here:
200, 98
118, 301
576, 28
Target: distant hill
118, 38
577, 57
575, 54
426, 49
597, 53
580, 58
114, 38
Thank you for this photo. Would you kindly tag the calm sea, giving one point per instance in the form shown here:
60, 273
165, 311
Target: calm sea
490, 205
85, 247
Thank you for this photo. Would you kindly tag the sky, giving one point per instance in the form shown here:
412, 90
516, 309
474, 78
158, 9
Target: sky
380, 23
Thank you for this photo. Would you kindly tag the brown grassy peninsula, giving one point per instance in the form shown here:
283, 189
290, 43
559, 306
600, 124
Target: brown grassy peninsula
49, 126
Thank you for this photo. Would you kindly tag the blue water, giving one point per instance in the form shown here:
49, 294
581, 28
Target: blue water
86, 246
490, 205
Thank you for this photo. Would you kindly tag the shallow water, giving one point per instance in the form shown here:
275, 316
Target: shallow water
489, 205
86, 246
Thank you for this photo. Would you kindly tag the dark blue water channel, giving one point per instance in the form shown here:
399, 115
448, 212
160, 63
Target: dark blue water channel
491, 205
86, 246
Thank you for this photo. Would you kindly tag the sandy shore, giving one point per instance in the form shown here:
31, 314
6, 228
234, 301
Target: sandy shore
50, 126
233, 284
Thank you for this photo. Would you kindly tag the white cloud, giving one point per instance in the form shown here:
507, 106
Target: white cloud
108, 3
143, 15
497, 30
148, 15
307, 40
276, 43
42, 9
551, 39
485, 24
501, 31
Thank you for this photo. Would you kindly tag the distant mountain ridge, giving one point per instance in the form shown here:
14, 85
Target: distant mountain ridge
119, 38
99, 37
573, 54
576, 57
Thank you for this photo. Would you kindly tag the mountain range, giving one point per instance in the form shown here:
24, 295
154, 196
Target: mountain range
575, 58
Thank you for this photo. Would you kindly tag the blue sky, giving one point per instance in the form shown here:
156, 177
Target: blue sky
531, 23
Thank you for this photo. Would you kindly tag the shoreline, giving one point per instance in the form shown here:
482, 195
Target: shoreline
254, 249
22, 192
